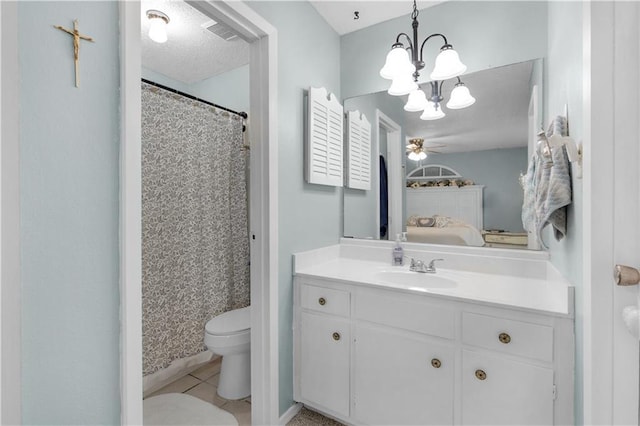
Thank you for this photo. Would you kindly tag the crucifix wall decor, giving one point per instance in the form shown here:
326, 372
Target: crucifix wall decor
76, 45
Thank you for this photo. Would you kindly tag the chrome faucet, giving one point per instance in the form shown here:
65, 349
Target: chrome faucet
419, 266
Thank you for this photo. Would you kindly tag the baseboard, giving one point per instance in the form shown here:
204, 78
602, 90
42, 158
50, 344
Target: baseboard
290, 413
174, 371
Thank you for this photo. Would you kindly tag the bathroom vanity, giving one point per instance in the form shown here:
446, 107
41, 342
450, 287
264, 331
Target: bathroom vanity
487, 339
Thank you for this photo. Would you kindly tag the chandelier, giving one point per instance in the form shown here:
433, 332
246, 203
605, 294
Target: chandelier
402, 68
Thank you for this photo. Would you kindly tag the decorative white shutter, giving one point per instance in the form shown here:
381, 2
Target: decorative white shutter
359, 151
323, 162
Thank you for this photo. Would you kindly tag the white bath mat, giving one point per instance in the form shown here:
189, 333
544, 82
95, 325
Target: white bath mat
181, 409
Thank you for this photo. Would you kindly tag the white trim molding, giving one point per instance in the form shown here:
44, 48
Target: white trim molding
130, 216
263, 211
395, 173
10, 286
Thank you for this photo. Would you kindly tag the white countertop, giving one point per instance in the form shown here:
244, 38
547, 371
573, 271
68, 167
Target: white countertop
551, 295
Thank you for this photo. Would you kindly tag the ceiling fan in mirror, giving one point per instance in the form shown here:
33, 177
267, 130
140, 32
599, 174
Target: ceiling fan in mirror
416, 150
403, 67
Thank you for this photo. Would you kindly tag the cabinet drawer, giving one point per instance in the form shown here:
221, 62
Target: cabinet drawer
327, 300
508, 336
404, 313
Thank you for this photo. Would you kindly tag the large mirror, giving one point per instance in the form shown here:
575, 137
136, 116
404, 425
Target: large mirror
470, 179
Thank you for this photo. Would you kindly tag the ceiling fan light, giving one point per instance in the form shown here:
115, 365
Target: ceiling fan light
397, 63
460, 97
402, 85
422, 155
431, 112
447, 64
417, 101
157, 25
413, 156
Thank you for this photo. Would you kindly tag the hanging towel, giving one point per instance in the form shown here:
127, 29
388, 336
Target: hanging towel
529, 198
384, 198
553, 186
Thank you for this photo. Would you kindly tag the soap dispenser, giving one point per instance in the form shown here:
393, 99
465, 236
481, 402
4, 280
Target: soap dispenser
397, 253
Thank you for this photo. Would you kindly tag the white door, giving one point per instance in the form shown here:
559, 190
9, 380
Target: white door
611, 210
401, 378
324, 362
500, 391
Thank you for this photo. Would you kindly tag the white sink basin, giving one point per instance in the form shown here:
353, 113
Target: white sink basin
414, 279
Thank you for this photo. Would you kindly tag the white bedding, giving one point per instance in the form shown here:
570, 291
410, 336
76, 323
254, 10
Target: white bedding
459, 235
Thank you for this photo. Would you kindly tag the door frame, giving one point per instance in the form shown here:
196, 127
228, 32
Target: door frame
10, 285
394, 174
263, 206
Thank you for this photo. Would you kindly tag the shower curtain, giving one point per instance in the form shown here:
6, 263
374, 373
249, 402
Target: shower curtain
195, 245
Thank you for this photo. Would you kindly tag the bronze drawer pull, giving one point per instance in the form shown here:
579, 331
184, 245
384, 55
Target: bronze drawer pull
336, 336
504, 338
481, 375
322, 301
436, 363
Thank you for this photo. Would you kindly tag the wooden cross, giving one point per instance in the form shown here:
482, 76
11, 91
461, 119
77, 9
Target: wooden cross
76, 45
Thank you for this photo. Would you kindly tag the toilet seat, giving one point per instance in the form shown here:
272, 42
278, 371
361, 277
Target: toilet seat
232, 322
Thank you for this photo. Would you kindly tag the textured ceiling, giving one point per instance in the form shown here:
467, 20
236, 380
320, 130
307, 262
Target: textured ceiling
339, 14
498, 119
192, 53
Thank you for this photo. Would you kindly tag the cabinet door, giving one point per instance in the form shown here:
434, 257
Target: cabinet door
396, 381
498, 391
324, 361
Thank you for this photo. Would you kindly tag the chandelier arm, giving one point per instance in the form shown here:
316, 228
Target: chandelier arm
431, 36
408, 40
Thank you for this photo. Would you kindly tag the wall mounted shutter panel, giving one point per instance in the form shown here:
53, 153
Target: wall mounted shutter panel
324, 156
359, 151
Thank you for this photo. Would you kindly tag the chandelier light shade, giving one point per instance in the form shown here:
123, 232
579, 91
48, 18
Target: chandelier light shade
460, 97
157, 26
397, 63
403, 65
447, 64
402, 85
417, 101
432, 112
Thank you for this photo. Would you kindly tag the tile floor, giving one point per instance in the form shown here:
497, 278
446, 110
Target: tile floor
203, 383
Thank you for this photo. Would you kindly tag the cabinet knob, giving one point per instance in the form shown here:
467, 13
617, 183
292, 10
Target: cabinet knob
322, 301
481, 375
436, 363
504, 338
336, 336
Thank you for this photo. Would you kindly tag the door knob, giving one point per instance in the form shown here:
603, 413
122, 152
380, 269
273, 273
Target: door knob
626, 275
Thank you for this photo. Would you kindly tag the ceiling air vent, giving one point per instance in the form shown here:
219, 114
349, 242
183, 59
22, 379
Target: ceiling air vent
221, 30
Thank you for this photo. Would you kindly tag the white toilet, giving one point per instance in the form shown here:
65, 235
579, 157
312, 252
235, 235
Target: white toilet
229, 335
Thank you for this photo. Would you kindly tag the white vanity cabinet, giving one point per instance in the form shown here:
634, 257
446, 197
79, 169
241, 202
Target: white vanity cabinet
414, 358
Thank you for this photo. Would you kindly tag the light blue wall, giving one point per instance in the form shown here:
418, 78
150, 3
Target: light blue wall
159, 78
485, 34
498, 170
563, 78
309, 215
69, 142
229, 89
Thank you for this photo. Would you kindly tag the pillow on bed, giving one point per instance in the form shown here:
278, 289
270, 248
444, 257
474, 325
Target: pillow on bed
412, 220
425, 222
441, 221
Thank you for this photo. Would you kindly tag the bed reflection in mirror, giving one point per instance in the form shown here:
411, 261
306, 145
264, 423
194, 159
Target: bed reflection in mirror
467, 190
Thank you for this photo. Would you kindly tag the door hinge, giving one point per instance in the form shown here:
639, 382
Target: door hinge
555, 392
